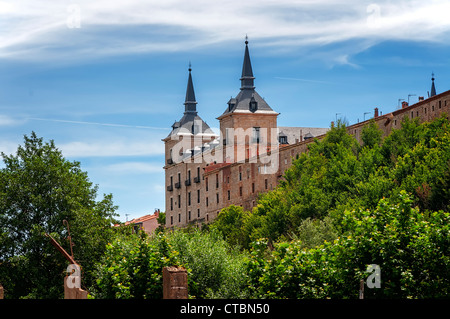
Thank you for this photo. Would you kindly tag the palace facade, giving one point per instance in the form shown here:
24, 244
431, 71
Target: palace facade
205, 172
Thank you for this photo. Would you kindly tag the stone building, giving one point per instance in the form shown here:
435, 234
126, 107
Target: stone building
205, 172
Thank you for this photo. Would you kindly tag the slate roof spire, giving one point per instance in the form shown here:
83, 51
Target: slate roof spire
247, 77
433, 88
190, 102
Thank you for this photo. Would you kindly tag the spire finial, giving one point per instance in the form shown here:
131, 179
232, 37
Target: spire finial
190, 66
246, 38
433, 88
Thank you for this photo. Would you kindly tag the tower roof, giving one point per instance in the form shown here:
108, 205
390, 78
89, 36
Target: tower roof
190, 123
247, 78
433, 88
248, 100
190, 103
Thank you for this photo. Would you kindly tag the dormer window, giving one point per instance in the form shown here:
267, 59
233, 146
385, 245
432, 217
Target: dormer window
231, 104
283, 139
253, 105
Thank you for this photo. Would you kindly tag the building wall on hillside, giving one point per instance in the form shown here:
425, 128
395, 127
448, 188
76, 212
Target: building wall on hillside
222, 184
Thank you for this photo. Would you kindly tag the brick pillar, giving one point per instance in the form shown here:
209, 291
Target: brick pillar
175, 283
73, 292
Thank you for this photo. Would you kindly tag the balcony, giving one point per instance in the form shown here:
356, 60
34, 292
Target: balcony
187, 182
197, 179
177, 185
170, 188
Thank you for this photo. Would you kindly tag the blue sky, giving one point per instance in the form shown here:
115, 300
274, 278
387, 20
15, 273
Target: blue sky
106, 79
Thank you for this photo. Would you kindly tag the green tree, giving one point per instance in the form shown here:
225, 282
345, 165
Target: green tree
39, 189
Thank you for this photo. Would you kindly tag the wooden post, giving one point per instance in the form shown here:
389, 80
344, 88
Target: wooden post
73, 293
175, 283
361, 289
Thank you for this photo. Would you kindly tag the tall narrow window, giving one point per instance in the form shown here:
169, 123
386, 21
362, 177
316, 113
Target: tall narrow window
171, 203
256, 135
189, 198
206, 183
217, 180
240, 191
229, 194
179, 201
198, 196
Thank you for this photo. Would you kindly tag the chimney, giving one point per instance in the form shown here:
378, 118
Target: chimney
376, 112
332, 124
421, 98
404, 104
156, 212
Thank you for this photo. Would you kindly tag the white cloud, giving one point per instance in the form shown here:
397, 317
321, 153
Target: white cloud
49, 29
6, 120
110, 148
134, 168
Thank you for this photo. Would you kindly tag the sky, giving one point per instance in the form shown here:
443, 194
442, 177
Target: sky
106, 79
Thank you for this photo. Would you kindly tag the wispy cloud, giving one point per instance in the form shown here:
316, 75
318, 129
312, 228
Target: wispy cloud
94, 123
87, 29
302, 80
134, 168
6, 120
79, 149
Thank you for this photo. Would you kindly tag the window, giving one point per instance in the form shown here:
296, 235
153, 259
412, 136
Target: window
198, 213
179, 218
171, 220
265, 183
171, 203
253, 105
189, 198
240, 191
253, 187
217, 197
256, 135
217, 180
206, 201
198, 196
189, 215
179, 201
206, 183
229, 195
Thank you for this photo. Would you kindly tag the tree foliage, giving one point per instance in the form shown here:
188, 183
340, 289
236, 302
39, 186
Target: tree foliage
39, 189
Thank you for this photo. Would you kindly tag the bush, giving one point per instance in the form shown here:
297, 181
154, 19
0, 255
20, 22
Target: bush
412, 249
132, 268
216, 270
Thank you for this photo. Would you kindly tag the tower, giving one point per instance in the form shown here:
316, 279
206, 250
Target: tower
183, 147
433, 88
248, 122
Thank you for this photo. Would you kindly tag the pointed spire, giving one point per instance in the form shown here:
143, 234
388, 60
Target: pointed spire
190, 102
247, 72
433, 88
